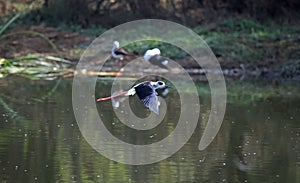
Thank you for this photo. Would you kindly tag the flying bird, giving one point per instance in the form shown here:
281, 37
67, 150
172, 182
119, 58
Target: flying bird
153, 56
146, 91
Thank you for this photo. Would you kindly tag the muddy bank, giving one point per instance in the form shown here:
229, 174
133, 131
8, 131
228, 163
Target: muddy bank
47, 41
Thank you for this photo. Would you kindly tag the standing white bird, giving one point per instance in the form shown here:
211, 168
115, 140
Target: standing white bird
153, 56
146, 91
120, 54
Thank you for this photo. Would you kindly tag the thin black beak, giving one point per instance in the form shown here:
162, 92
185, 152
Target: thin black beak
167, 86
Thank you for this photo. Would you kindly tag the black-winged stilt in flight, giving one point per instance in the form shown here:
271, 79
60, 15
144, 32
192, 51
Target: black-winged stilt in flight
153, 56
120, 53
146, 91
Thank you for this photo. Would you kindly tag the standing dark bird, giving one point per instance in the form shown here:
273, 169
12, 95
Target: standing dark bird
153, 56
120, 54
146, 91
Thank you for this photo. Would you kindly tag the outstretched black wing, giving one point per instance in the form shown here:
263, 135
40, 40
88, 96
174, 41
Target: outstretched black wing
148, 96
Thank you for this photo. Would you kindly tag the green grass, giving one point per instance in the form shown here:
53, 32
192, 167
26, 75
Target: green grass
166, 49
8, 23
237, 40
240, 39
246, 40
234, 39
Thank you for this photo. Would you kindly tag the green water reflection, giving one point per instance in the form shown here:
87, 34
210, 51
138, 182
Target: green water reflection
40, 140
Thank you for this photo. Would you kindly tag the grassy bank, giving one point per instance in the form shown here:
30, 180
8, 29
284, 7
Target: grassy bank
234, 42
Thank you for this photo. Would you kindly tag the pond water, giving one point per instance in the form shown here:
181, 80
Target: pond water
40, 140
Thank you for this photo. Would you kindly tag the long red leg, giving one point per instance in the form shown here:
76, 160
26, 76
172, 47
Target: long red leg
114, 96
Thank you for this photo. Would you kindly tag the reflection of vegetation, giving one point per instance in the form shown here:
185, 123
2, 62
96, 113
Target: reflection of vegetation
45, 143
49, 93
9, 110
249, 91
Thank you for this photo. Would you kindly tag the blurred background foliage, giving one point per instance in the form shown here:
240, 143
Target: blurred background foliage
109, 13
260, 34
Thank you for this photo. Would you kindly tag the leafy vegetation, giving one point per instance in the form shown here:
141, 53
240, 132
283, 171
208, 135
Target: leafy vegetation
31, 66
233, 40
6, 25
246, 40
35, 67
238, 40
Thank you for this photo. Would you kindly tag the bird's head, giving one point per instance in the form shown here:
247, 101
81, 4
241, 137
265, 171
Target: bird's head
116, 44
158, 84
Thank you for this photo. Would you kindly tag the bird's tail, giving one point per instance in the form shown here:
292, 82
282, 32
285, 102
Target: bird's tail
113, 96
